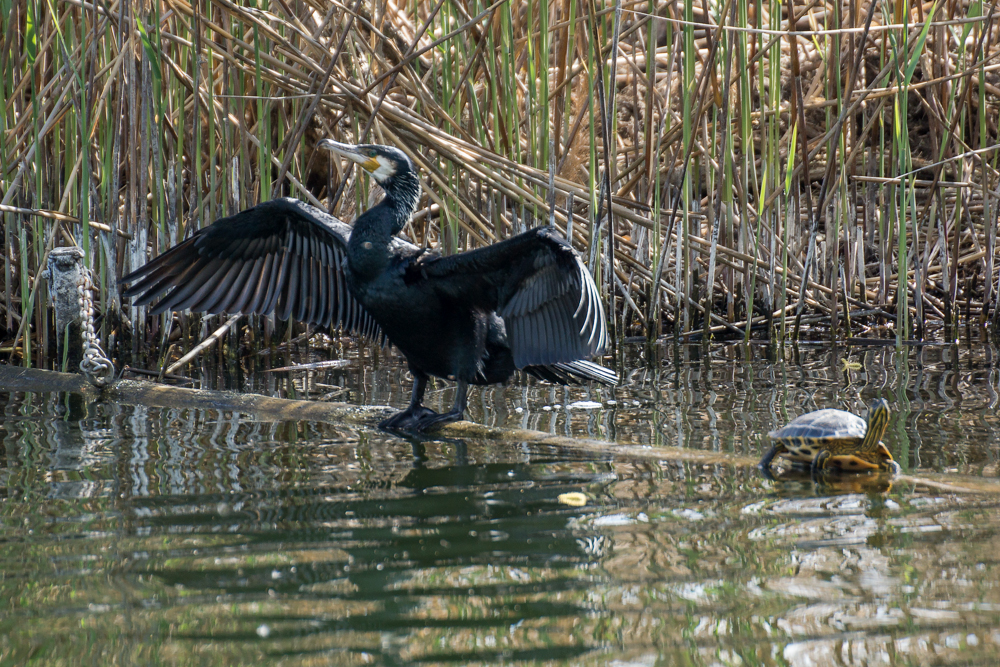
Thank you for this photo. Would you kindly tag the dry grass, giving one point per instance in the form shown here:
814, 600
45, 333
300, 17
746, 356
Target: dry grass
678, 133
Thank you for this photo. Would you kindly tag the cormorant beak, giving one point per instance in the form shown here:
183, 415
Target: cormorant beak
351, 152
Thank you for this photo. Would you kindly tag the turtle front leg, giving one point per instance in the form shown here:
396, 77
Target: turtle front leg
819, 462
765, 462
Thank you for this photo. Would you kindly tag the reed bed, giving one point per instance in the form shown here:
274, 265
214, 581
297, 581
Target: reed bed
729, 168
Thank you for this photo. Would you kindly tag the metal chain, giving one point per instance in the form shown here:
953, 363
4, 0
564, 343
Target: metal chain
97, 368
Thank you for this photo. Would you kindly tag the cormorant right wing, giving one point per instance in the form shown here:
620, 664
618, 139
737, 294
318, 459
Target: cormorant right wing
281, 255
537, 283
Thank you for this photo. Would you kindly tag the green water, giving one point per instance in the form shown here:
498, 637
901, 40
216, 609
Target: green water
141, 536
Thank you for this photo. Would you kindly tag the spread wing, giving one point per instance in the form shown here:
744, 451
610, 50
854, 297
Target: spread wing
281, 256
537, 283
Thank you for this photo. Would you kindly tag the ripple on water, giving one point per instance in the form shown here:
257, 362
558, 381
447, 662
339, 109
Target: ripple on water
198, 537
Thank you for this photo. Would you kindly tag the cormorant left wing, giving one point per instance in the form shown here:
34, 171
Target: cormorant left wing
537, 283
281, 255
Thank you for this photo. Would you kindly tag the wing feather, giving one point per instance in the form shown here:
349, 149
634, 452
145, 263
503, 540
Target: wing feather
282, 256
292, 288
210, 292
261, 284
341, 285
538, 284
279, 271
199, 286
216, 302
240, 291
190, 281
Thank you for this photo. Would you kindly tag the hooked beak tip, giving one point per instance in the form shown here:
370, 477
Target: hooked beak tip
349, 151
336, 146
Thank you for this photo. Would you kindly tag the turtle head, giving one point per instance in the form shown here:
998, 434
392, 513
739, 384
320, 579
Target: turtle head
878, 420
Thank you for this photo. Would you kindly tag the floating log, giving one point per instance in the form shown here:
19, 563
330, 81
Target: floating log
267, 408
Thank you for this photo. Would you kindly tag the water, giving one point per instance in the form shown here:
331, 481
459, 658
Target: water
135, 535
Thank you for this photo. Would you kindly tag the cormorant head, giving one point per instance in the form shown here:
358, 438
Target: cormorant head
382, 162
391, 169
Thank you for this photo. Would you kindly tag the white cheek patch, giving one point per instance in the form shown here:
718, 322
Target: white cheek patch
385, 169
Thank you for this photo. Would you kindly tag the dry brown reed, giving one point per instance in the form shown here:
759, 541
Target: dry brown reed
727, 168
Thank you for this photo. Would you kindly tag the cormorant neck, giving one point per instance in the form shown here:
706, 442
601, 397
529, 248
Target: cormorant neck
374, 229
402, 192
368, 247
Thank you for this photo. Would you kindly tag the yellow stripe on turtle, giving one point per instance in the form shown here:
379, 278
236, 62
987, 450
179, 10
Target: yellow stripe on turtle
834, 439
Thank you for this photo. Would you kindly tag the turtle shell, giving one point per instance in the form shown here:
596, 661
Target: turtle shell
834, 439
823, 428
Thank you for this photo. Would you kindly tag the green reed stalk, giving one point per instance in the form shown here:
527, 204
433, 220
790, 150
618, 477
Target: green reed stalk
451, 71
724, 193
156, 122
263, 117
213, 185
179, 99
835, 150
277, 131
962, 111
6, 91
31, 43
531, 103
687, 134
654, 322
510, 88
542, 75
448, 74
882, 155
907, 189
792, 210
227, 155
989, 222
568, 90
773, 156
495, 86
26, 303
198, 215
477, 122
592, 251
244, 178
747, 170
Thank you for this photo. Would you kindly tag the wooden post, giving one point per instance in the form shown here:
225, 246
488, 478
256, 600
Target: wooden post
65, 274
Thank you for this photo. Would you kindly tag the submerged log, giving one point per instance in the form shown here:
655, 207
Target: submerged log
267, 408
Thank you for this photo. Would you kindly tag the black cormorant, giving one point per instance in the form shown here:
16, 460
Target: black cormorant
525, 303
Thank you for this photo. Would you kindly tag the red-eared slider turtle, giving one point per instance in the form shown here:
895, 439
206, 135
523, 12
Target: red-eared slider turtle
835, 439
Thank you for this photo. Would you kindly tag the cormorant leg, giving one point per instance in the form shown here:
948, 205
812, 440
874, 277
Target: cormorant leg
456, 413
412, 415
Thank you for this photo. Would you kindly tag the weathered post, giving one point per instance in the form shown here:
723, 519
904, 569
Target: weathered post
65, 274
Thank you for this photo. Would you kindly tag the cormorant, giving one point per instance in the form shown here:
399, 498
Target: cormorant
525, 303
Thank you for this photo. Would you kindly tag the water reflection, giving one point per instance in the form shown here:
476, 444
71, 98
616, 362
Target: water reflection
152, 536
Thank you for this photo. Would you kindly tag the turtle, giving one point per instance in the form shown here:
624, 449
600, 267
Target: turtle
835, 439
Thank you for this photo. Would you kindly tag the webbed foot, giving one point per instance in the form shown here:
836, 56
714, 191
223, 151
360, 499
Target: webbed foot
408, 420
435, 419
